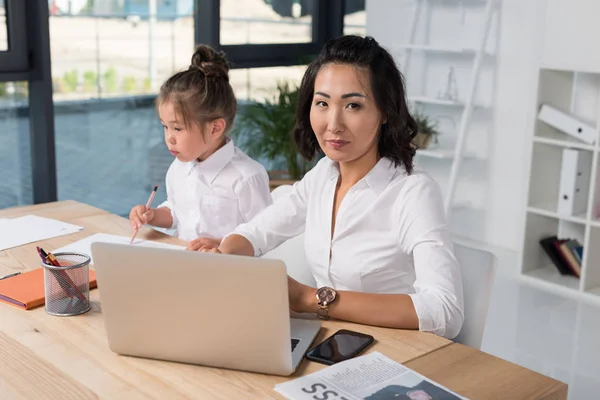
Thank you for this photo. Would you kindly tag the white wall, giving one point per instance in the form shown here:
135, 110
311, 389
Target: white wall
570, 38
507, 144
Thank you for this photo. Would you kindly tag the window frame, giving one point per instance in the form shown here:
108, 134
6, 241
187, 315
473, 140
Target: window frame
14, 60
327, 23
28, 59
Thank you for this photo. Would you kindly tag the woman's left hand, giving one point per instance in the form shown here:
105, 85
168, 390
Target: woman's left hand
203, 244
301, 297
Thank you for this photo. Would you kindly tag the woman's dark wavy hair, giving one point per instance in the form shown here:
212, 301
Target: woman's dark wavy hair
387, 85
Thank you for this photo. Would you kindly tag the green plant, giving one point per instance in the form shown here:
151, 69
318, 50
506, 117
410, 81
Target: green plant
129, 84
90, 81
88, 8
22, 90
426, 129
147, 85
16, 90
264, 129
58, 85
110, 80
71, 80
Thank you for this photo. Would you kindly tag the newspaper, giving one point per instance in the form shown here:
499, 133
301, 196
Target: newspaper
369, 377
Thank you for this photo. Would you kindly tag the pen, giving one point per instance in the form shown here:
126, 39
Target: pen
9, 275
53, 260
147, 208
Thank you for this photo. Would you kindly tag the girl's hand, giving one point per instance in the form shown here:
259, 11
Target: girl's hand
302, 297
139, 216
203, 244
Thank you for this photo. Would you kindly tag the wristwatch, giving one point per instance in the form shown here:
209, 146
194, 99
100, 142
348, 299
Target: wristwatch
325, 296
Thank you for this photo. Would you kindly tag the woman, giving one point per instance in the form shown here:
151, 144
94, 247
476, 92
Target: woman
376, 234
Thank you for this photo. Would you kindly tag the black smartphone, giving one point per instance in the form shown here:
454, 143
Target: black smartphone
340, 346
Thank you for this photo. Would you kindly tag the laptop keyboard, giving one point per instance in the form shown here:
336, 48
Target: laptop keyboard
295, 343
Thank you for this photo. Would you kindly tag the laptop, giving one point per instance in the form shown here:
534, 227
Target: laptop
200, 308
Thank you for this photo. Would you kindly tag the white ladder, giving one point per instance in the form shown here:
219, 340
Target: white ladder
490, 8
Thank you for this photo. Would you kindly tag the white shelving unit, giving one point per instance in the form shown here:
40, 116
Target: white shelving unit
578, 94
453, 43
441, 49
441, 102
442, 153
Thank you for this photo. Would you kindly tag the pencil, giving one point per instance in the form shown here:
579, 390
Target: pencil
148, 204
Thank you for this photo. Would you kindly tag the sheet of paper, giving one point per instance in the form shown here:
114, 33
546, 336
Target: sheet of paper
31, 228
84, 245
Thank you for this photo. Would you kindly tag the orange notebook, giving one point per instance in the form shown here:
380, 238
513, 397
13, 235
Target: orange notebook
27, 289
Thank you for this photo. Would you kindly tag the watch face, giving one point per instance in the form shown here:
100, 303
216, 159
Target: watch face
326, 294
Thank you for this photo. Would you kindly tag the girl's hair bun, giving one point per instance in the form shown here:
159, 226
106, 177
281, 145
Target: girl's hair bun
210, 62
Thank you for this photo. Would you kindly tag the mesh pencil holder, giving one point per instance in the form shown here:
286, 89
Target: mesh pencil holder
67, 288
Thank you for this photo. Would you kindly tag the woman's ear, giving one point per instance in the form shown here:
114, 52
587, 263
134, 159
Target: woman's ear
217, 128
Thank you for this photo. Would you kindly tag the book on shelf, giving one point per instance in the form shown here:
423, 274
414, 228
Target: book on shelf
574, 181
596, 204
567, 124
565, 254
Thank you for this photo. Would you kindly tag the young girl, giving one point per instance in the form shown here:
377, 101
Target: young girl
212, 186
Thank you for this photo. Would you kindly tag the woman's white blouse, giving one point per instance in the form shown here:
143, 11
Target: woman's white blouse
390, 236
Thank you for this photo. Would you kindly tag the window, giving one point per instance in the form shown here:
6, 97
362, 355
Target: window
25, 131
260, 83
266, 21
355, 18
116, 53
15, 153
111, 153
13, 38
268, 33
3, 27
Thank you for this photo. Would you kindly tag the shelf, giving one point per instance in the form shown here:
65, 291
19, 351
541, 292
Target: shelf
442, 154
574, 143
462, 2
549, 210
594, 291
440, 102
432, 100
577, 93
441, 49
549, 275
595, 223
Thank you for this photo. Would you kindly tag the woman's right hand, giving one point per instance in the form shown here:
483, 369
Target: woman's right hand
139, 216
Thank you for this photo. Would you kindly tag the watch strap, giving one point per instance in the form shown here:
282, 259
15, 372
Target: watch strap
323, 310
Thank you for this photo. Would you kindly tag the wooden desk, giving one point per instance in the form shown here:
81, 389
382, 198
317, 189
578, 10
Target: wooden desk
42, 356
479, 375
66, 210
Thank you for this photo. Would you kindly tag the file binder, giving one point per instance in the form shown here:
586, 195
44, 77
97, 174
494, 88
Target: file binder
574, 182
567, 124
